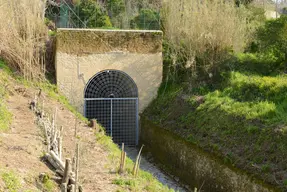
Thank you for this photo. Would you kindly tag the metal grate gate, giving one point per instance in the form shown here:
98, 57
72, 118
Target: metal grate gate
119, 116
111, 97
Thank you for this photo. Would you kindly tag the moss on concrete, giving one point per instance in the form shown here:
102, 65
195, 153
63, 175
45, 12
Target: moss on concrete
81, 42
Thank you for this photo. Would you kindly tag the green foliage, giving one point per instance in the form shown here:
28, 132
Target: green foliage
147, 19
242, 2
260, 63
52, 91
11, 181
48, 184
115, 7
123, 182
270, 46
144, 182
91, 14
273, 35
243, 118
5, 115
266, 168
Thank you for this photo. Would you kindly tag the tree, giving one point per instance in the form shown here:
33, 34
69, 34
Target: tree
115, 7
148, 19
91, 15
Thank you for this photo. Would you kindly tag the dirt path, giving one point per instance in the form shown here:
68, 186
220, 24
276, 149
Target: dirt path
96, 174
22, 146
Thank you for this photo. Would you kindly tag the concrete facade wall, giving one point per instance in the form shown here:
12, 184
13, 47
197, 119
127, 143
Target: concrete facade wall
82, 53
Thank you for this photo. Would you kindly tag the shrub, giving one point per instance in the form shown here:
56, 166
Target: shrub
23, 36
91, 15
260, 63
273, 35
115, 7
148, 19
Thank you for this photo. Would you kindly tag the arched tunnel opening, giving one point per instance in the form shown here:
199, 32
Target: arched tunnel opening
111, 97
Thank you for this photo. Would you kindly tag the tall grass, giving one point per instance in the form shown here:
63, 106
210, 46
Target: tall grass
202, 33
23, 35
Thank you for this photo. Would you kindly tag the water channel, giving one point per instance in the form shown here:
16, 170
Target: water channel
148, 164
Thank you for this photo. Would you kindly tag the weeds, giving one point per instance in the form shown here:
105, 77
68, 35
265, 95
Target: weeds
12, 182
23, 36
5, 115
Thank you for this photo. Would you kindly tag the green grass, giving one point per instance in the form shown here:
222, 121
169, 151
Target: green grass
48, 184
5, 115
11, 181
52, 91
243, 121
144, 182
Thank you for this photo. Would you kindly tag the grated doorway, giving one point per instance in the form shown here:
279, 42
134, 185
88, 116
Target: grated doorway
111, 97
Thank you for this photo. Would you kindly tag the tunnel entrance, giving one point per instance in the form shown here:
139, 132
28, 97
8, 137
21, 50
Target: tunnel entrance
111, 97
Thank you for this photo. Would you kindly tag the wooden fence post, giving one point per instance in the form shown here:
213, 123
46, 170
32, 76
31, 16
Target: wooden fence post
77, 166
67, 171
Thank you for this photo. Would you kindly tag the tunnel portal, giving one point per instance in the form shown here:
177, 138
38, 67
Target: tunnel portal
111, 97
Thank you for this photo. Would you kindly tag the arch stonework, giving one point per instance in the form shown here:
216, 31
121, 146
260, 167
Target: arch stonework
82, 53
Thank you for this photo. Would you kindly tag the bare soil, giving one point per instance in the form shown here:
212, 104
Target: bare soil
22, 147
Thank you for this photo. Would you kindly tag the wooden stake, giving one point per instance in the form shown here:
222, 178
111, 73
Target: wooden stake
51, 161
72, 188
137, 160
77, 166
76, 126
138, 166
80, 188
59, 141
54, 137
47, 138
57, 160
55, 115
42, 112
121, 170
61, 131
67, 171
124, 162
64, 187
72, 178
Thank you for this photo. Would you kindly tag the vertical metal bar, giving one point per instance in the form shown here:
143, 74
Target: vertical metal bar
137, 121
85, 108
111, 118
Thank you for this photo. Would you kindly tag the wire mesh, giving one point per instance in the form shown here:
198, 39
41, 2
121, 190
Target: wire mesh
118, 116
111, 97
126, 15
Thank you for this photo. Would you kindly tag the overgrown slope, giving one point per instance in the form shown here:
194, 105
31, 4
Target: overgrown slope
241, 116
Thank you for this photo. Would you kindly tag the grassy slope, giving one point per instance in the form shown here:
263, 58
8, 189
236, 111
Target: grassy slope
144, 182
245, 121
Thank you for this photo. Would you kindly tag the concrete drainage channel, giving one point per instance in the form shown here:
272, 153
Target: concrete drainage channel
148, 164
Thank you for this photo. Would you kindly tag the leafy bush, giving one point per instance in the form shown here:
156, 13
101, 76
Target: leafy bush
115, 7
148, 19
260, 63
91, 14
273, 35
